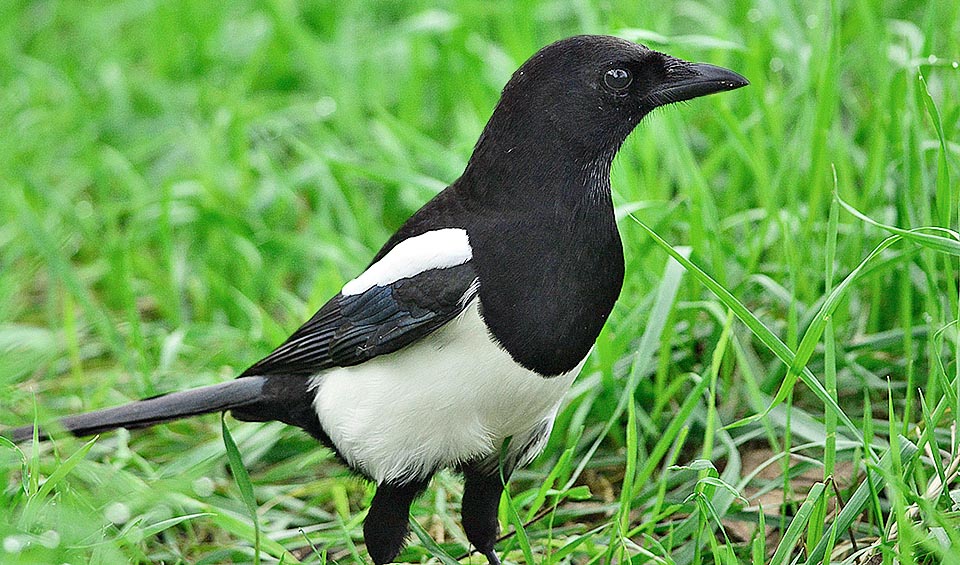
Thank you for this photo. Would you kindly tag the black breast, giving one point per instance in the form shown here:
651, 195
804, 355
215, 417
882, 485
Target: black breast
546, 287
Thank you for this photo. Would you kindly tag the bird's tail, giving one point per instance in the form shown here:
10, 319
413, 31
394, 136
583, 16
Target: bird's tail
238, 393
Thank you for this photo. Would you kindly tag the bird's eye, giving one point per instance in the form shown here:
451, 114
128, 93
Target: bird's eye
617, 79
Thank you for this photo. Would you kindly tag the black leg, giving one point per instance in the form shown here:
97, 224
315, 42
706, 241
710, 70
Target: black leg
481, 498
385, 528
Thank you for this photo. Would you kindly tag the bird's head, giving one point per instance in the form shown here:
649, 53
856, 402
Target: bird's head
590, 91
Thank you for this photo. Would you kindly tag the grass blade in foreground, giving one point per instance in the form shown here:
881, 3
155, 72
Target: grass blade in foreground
942, 244
243, 483
643, 357
795, 530
768, 338
859, 500
32, 506
431, 546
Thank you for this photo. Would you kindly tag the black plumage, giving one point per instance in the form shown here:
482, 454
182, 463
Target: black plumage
349, 330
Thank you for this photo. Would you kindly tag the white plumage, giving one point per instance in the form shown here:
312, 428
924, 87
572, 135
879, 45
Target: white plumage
437, 249
451, 397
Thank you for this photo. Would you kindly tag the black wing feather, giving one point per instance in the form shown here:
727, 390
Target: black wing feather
349, 330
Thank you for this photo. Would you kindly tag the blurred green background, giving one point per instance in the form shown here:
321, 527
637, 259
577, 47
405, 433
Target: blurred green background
183, 183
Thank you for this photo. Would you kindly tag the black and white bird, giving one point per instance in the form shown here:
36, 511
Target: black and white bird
472, 321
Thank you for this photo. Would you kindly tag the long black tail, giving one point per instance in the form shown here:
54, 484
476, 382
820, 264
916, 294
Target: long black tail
143, 413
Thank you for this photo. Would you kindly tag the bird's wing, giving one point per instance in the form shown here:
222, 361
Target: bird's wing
413, 290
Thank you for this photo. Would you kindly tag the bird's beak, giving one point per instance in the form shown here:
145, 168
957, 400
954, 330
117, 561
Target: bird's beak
691, 80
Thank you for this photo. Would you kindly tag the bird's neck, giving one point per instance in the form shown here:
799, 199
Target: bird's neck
516, 174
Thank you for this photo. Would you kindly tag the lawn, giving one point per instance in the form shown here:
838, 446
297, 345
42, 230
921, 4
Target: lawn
184, 183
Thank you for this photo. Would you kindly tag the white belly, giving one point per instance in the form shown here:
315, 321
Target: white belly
452, 397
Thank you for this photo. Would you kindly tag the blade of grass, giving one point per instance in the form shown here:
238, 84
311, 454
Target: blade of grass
239, 525
433, 547
562, 464
795, 530
815, 531
670, 435
242, 478
629, 472
156, 528
643, 358
767, 337
945, 196
758, 553
861, 497
715, 361
949, 245
513, 515
55, 478
520, 533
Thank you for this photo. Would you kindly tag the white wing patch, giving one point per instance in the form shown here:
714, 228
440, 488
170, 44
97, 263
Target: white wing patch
438, 249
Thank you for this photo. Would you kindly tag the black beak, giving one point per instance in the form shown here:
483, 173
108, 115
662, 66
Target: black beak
685, 81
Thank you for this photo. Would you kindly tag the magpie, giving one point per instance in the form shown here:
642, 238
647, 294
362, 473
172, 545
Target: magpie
456, 345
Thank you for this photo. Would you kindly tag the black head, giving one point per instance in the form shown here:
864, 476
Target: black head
590, 91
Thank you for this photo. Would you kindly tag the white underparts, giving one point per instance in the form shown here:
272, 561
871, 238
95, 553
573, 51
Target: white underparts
452, 397
438, 249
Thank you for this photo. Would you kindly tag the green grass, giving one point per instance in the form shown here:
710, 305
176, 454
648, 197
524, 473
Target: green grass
183, 184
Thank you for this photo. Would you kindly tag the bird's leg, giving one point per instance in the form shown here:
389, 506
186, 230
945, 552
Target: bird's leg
385, 528
481, 498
